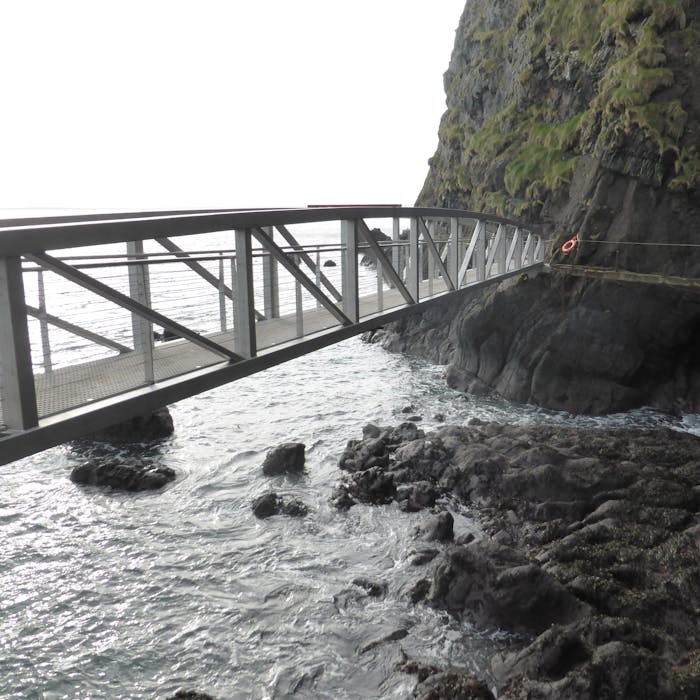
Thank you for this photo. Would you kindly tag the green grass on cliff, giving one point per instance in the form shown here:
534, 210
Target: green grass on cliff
529, 149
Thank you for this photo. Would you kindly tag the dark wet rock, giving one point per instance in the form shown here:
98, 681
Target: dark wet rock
392, 636
341, 498
330, 263
416, 496
132, 475
419, 590
190, 695
453, 684
287, 458
147, 428
495, 586
408, 409
375, 589
270, 504
439, 526
423, 556
591, 549
415, 419
439, 417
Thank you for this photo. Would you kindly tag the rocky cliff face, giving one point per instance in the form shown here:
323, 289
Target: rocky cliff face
580, 118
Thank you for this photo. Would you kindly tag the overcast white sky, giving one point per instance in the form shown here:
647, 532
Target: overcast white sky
213, 103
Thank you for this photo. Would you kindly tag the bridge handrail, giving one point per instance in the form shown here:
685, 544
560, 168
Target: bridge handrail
70, 232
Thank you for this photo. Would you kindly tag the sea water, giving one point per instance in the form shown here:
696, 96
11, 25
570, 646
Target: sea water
121, 595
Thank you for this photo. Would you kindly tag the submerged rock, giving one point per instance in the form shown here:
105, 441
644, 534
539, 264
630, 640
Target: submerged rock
190, 695
270, 504
287, 458
123, 475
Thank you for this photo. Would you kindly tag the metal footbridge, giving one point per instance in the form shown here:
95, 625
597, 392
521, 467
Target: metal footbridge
105, 317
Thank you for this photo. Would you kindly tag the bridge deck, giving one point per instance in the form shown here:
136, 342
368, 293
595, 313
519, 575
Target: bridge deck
77, 385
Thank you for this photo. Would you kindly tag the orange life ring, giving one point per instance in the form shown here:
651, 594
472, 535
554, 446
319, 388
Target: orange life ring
569, 245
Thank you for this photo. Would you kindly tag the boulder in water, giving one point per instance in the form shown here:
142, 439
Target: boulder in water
287, 458
123, 475
270, 504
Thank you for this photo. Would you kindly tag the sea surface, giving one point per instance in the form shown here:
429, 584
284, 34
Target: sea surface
112, 595
128, 596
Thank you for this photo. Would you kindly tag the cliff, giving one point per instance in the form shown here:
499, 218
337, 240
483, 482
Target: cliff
578, 118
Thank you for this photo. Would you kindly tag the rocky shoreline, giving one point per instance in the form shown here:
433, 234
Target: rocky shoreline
591, 554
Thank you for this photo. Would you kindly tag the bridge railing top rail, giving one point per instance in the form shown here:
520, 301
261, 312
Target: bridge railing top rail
20, 236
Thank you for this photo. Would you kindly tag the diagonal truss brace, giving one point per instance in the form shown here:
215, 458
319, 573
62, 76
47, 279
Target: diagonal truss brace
77, 330
387, 267
477, 234
199, 269
287, 235
436, 255
283, 259
103, 290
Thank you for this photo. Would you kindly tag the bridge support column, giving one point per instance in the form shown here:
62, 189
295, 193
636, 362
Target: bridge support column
244, 312
348, 239
18, 395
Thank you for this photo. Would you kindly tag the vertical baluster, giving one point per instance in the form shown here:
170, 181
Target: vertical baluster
43, 324
395, 248
480, 252
18, 395
299, 301
318, 273
431, 260
454, 261
380, 286
413, 273
139, 289
222, 295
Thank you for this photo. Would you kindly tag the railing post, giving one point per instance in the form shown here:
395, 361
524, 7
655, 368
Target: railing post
480, 252
517, 249
299, 301
139, 290
413, 267
43, 324
431, 260
395, 250
502, 249
348, 238
17, 392
222, 295
244, 301
271, 290
453, 267
319, 276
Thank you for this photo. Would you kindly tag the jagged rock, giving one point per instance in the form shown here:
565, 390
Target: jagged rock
287, 458
123, 475
437, 527
270, 504
151, 427
456, 685
590, 550
494, 586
